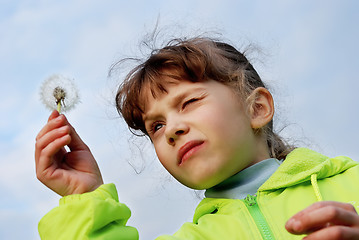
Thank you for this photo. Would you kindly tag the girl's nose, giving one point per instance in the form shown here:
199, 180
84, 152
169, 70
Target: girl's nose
175, 130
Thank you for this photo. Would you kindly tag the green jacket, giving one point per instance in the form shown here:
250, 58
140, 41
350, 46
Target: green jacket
303, 178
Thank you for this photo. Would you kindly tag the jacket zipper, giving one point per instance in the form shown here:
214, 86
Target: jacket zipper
253, 208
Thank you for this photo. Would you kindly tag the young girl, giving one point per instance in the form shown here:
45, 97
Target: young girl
209, 117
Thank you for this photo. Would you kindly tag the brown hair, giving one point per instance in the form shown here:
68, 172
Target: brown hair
192, 60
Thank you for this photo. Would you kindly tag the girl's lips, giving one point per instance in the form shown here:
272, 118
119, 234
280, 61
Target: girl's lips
187, 150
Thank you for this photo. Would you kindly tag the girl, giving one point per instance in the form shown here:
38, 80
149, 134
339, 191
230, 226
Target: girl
209, 117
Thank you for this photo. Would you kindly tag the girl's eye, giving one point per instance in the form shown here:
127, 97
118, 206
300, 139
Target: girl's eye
186, 103
156, 126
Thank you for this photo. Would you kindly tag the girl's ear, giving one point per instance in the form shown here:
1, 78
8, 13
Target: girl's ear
261, 107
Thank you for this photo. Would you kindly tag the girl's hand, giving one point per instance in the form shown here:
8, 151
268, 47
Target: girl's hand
65, 172
326, 220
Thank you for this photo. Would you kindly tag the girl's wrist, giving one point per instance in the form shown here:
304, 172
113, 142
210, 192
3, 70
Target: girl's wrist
103, 192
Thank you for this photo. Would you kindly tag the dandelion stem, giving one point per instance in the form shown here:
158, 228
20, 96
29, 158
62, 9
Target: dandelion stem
59, 106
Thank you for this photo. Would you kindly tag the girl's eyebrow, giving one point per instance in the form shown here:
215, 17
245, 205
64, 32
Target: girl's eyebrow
175, 101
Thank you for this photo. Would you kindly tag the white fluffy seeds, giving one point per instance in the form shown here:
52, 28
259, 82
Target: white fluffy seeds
59, 91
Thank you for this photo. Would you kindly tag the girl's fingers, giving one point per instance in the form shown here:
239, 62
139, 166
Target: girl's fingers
319, 205
54, 114
54, 122
76, 143
51, 140
322, 204
321, 215
47, 158
334, 233
50, 136
57, 133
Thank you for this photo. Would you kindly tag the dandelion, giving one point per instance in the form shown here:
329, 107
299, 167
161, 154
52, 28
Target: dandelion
59, 92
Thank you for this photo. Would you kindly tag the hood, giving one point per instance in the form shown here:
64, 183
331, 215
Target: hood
301, 164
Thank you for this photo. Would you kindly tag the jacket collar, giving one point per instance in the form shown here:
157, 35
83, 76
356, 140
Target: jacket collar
298, 167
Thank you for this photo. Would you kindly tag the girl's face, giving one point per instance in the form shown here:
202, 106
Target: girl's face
201, 132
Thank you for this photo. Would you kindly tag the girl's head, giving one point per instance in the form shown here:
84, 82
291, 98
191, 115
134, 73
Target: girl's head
207, 85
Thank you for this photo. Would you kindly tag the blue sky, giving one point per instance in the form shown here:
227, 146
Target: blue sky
308, 54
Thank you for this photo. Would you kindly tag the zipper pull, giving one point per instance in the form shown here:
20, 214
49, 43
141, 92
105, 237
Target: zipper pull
251, 200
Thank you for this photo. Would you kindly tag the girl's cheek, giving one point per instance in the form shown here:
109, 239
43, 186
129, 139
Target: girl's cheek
161, 152
205, 116
210, 121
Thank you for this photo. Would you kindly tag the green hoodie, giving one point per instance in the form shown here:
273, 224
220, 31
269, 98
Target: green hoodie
302, 179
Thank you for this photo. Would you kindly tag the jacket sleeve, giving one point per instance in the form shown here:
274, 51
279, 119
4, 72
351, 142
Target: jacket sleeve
94, 215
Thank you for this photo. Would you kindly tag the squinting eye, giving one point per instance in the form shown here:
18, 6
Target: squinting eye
189, 102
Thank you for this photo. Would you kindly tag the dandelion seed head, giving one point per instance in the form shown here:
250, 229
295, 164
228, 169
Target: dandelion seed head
59, 89
59, 94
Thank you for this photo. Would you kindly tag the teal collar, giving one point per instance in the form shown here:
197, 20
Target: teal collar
244, 182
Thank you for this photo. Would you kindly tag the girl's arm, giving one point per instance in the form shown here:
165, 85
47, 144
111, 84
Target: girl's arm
65, 172
326, 220
93, 215
89, 209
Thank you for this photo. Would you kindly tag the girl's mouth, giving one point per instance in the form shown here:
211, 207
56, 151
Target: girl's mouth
187, 150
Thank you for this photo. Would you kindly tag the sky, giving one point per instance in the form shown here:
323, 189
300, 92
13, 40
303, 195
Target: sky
306, 51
